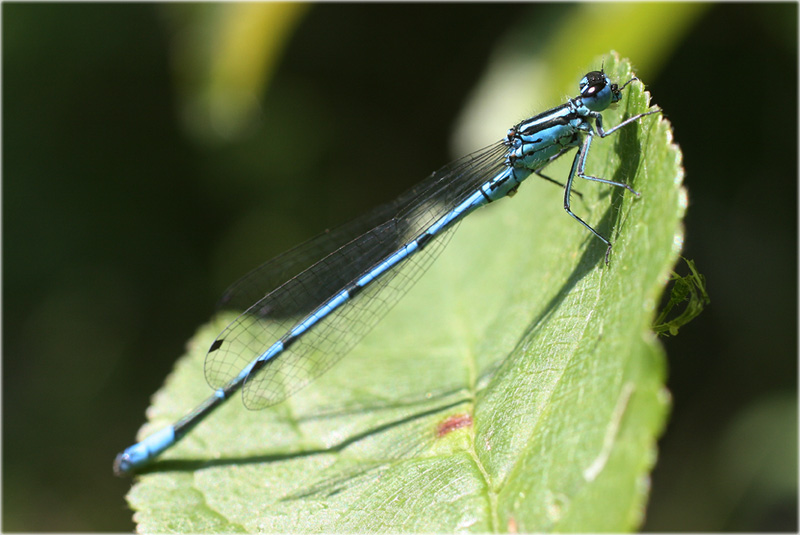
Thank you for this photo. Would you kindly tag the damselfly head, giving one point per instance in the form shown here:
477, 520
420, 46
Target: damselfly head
597, 91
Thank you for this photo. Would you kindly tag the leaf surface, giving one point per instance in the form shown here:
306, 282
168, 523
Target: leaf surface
517, 387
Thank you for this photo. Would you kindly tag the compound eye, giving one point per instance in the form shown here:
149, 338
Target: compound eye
596, 91
592, 84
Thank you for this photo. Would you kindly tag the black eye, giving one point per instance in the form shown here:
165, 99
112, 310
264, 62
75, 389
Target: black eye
595, 82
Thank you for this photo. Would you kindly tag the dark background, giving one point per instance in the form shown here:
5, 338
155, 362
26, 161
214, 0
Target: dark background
120, 230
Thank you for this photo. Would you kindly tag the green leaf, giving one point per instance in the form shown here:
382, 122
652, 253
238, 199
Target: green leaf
518, 386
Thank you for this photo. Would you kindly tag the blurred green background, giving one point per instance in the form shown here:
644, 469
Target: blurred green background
154, 153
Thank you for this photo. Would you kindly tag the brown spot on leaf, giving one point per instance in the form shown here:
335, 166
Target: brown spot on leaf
456, 421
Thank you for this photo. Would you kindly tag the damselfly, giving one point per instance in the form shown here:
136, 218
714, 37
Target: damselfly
308, 307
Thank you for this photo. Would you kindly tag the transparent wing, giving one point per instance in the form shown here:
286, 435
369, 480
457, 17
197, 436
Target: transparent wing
337, 333
261, 281
288, 288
